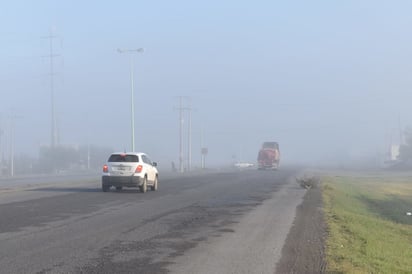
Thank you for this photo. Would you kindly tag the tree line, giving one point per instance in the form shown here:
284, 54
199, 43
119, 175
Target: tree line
58, 159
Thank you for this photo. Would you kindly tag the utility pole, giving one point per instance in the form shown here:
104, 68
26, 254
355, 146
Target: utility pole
180, 135
189, 141
202, 156
189, 138
203, 151
88, 156
400, 131
181, 109
1, 148
12, 148
13, 117
51, 56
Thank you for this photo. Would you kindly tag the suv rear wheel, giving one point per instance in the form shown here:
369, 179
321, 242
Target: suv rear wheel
143, 187
155, 183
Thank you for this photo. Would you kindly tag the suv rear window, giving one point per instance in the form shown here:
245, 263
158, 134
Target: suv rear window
123, 158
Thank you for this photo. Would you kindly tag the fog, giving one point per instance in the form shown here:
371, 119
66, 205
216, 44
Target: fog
327, 80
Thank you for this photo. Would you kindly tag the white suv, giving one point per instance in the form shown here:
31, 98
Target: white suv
131, 169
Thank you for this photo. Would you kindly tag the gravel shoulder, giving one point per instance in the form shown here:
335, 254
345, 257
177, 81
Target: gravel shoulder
304, 250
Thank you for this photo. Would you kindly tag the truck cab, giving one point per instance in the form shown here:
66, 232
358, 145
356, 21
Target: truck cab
269, 156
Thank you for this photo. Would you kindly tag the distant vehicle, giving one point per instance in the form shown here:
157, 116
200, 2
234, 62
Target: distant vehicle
131, 169
243, 165
269, 156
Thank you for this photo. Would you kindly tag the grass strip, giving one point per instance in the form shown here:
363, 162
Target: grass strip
368, 228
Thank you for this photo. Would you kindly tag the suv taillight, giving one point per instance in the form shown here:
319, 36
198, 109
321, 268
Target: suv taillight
105, 169
138, 169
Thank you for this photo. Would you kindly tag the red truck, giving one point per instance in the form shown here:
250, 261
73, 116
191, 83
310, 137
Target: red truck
269, 156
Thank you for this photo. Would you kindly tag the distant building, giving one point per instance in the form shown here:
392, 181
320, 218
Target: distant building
392, 156
393, 152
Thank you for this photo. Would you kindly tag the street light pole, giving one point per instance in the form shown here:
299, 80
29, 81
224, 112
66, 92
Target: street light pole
131, 51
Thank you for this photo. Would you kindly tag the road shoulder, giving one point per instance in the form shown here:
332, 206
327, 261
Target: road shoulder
304, 251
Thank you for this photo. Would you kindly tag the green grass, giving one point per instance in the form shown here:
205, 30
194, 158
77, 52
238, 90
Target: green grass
368, 229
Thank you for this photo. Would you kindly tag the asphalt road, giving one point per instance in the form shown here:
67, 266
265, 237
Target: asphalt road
222, 222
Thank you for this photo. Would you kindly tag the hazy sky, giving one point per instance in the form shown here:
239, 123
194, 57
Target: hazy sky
328, 80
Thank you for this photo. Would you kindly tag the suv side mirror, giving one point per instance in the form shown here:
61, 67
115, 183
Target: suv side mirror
154, 164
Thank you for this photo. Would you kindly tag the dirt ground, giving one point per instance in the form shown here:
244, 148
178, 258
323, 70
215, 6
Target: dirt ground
304, 250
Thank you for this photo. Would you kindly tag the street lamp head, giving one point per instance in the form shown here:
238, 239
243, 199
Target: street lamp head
120, 50
140, 50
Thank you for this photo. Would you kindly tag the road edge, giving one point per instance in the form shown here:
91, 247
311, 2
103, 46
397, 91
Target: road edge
304, 248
